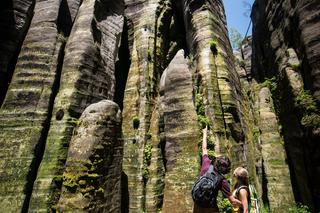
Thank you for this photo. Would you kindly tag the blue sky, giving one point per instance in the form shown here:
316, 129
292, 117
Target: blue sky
235, 10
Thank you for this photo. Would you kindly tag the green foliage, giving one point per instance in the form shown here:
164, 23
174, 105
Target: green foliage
264, 209
235, 39
135, 122
199, 105
296, 67
213, 46
242, 63
299, 208
211, 155
146, 160
295, 208
203, 120
308, 107
305, 101
58, 178
271, 83
312, 120
224, 204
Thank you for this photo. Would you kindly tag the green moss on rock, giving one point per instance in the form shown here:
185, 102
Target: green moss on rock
214, 47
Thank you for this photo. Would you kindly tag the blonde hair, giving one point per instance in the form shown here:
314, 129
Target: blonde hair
241, 172
242, 176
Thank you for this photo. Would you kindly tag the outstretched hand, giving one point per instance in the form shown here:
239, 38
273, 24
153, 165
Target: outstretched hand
204, 141
205, 130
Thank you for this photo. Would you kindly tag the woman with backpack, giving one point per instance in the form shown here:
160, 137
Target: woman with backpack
241, 190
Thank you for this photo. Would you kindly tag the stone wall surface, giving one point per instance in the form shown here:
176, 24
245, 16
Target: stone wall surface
15, 18
286, 59
87, 76
91, 179
26, 110
170, 68
180, 132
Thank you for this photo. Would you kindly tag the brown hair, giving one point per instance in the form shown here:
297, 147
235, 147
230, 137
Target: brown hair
222, 164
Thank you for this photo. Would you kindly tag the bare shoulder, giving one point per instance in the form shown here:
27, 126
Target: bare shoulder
243, 192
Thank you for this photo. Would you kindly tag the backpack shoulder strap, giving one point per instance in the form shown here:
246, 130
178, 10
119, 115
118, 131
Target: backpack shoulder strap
242, 187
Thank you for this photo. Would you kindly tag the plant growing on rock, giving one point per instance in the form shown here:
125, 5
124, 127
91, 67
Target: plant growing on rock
204, 121
271, 83
296, 67
135, 122
224, 204
308, 107
146, 161
214, 47
242, 64
299, 208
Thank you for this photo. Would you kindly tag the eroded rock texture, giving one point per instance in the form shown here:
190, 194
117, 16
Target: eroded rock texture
91, 179
87, 76
15, 18
286, 59
26, 110
263, 129
180, 134
169, 67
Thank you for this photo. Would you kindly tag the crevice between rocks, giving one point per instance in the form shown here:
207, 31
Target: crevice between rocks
7, 75
122, 67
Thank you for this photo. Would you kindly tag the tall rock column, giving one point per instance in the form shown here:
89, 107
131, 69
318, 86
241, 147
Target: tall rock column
91, 180
181, 134
138, 99
87, 77
216, 77
27, 108
276, 177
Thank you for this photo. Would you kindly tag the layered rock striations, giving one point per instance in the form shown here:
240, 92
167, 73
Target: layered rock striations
169, 67
272, 179
15, 18
286, 60
87, 76
26, 110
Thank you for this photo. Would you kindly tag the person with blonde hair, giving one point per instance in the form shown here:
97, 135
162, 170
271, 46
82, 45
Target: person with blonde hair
241, 190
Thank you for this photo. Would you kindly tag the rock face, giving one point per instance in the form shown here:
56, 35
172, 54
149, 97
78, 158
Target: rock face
26, 110
87, 76
169, 67
180, 132
286, 59
15, 18
91, 179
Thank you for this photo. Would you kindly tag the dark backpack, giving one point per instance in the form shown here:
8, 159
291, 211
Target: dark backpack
205, 189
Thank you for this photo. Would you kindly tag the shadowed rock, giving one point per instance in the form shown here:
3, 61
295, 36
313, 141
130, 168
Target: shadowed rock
87, 77
91, 180
26, 110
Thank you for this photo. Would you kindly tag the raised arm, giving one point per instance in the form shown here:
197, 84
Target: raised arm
204, 141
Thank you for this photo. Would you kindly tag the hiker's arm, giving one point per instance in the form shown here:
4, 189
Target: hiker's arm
234, 201
244, 200
204, 141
